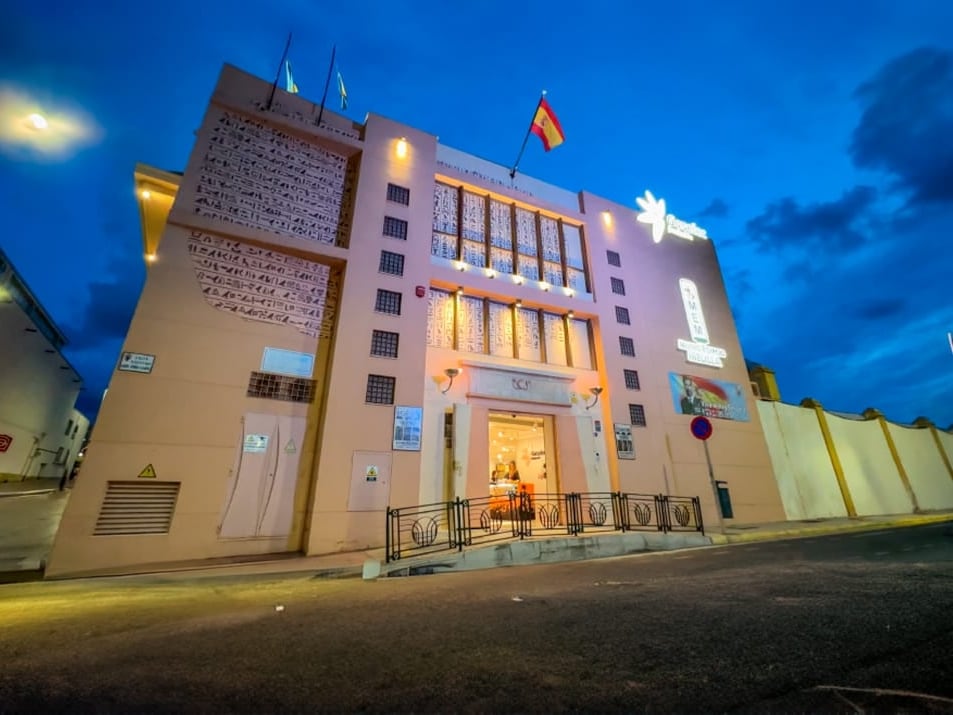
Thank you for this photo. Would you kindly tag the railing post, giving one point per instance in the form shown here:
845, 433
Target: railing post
661, 508
618, 513
387, 536
696, 503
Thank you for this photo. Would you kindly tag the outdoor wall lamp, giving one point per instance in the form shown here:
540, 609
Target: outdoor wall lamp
595, 391
450, 372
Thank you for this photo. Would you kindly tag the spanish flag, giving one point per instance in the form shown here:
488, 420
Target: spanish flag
546, 126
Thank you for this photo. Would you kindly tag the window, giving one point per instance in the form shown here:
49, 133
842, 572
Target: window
380, 389
627, 347
398, 194
384, 343
69, 427
614, 259
391, 263
395, 228
387, 301
270, 386
622, 315
631, 379
618, 287
511, 240
637, 415
75, 429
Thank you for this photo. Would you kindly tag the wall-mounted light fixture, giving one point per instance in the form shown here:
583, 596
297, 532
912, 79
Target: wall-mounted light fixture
570, 315
607, 218
595, 392
145, 194
459, 290
518, 280
518, 303
450, 372
490, 273
402, 148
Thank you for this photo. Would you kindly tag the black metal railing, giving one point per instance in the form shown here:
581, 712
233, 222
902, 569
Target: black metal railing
453, 525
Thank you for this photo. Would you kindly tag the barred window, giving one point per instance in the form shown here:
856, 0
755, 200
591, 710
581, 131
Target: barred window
384, 343
613, 258
388, 301
380, 389
618, 286
398, 194
637, 415
270, 386
622, 315
632, 379
395, 228
627, 347
392, 263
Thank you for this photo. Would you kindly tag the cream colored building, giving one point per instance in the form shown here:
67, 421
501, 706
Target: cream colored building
309, 290
41, 433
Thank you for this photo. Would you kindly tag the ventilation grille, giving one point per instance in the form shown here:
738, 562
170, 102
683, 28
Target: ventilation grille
137, 508
280, 387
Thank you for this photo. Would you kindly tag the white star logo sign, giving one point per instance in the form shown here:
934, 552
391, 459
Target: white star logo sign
654, 214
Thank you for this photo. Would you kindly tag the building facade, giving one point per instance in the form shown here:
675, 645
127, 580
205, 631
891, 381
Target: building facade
342, 317
41, 433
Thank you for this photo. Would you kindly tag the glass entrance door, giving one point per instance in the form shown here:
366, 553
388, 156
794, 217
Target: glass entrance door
521, 454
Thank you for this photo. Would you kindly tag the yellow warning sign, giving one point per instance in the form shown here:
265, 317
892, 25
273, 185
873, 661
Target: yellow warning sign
149, 472
290, 448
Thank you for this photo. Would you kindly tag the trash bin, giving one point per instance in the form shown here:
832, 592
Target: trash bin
724, 500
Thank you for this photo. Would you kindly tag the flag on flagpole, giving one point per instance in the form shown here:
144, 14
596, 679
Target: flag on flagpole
342, 91
546, 126
290, 85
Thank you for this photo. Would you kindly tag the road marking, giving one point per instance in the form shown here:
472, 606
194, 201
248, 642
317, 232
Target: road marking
907, 548
881, 553
679, 558
926, 546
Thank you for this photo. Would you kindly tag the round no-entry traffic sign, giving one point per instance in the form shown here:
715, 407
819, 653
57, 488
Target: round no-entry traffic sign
701, 428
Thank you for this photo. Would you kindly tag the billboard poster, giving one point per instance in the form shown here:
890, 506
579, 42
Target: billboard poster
693, 395
407, 427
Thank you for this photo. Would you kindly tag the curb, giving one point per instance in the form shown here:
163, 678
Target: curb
4, 495
728, 539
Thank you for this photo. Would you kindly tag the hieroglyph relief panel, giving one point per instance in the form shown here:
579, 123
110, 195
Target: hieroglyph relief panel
266, 286
259, 177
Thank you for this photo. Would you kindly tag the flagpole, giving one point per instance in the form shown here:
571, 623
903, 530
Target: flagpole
327, 83
284, 56
529, 129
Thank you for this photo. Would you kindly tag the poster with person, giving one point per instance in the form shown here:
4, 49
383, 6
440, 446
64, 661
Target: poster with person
693, 395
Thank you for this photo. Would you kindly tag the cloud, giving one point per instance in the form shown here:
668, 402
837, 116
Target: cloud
907, 124
880, 308
836, 225
107, 314
30, 127
716, 209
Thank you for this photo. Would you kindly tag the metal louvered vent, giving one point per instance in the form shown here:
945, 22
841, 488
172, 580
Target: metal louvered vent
137, 508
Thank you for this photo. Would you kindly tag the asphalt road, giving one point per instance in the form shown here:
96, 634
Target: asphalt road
760, 628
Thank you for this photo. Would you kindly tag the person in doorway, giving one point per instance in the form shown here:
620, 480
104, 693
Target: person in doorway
513, 474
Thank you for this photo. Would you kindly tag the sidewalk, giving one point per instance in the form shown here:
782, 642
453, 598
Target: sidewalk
28, 525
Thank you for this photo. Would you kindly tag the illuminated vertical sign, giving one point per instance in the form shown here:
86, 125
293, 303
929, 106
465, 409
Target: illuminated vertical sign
698, 350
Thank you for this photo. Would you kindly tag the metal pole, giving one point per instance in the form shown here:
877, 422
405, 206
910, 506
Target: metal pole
327, 83
714, 488
529, 129
284, 56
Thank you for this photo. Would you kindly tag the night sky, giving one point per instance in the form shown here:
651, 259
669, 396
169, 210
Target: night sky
813, 140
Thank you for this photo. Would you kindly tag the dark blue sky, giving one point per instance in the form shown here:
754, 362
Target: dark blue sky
814, 141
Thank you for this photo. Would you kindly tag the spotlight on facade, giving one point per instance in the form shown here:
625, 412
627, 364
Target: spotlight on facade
569, 292
450, 372
518, 303
544, 285
570, 315
518, 280
145, 194
607, 218
459, 290
38, 121
490, 273
595, 391
402, 148
150, 258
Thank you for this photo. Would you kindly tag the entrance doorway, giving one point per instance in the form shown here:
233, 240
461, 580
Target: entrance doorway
523, 443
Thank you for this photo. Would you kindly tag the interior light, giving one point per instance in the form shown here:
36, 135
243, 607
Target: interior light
402, 148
